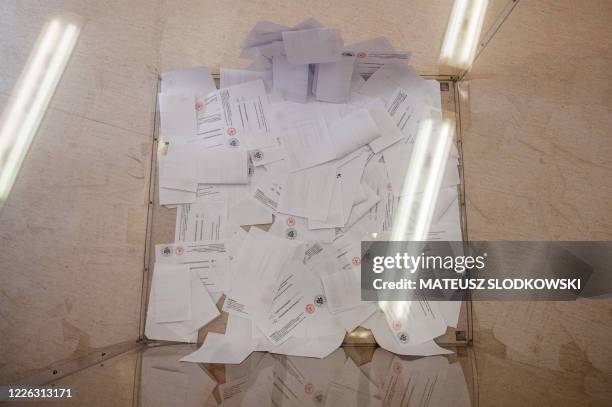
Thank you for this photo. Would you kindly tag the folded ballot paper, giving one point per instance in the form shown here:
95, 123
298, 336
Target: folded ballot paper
314, 140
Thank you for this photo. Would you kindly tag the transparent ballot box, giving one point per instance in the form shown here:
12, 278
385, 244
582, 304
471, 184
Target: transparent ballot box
80, 215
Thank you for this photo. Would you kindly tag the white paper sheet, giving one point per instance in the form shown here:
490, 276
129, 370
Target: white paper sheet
203, 311
290, 81
194, 81
333, 80
256, 269
390, 133
262, 33
178, 169
177, 116
419, 322
169, 196
172, 293
248, 211
234, 117
343, 289
232, 77
386, 339
385, 81
355, 130
308, 193
268, 191
351, 173
303, 134
296, 228
222, 166
209, 259
351, 318
201, 221
373, 54
313, 46
335, 216
232, 347
268, 50
361, 209
289, 308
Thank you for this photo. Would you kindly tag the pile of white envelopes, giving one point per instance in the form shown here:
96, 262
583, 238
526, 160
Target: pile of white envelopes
301, 140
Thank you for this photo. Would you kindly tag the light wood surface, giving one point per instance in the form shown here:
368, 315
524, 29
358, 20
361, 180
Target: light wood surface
537, 149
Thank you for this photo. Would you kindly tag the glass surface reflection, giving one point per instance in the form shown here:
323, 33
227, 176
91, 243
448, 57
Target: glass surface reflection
355, 376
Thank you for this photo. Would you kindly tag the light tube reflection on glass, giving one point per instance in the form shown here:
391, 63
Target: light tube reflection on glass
462, 33
32, 94
419, 195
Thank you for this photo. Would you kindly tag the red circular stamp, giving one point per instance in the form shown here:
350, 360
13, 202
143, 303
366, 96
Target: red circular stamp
361, 55
397, 368
290, 221
231, 131
397, 325
199, 106
310, 308
356, 261
308, 388
179, 250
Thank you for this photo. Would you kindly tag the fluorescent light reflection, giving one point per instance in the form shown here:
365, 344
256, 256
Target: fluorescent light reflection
462, 33
419, 195
31, 96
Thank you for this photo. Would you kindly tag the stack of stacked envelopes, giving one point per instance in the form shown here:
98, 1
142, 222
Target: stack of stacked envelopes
302, 141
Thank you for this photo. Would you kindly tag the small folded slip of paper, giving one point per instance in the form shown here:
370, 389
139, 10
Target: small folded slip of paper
290, 81
332, 81
313, 46
184, 166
